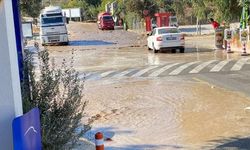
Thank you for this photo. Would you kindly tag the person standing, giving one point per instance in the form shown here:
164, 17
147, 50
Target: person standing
215, 24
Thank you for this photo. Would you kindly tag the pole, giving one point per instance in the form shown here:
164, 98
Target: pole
10, 91
99, 142
197, 26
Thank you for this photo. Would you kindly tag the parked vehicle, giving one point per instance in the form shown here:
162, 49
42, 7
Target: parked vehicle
53, 28
166, 38
105, 21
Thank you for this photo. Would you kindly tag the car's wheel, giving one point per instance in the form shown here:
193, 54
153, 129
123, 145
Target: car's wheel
149, 48
173, 51
155, 50
65, 43
182, 50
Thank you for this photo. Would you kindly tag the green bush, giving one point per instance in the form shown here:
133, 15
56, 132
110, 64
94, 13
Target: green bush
130, 17
58, 94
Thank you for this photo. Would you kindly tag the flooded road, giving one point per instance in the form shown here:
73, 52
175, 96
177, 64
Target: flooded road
160, 101
169, 113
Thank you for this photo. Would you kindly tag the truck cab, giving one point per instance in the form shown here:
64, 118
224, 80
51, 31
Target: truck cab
53, 28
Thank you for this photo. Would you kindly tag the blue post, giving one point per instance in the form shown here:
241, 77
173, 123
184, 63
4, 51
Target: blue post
19, 37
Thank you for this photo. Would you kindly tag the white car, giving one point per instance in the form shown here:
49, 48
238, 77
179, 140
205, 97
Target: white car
166, 38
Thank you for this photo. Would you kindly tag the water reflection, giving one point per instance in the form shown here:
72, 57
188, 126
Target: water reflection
89, 43
153, 59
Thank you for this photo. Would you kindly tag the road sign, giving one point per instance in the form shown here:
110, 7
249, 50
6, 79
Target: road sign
27, 132
228, 34
244, 35
218, 38
27, 29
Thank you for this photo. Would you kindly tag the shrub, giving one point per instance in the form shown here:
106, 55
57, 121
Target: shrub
130, 18
58, 94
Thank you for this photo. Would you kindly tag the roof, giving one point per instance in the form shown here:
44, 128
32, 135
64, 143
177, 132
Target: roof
51, 9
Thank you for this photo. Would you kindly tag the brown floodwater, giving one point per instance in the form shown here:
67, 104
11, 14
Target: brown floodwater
163, 113
169, 113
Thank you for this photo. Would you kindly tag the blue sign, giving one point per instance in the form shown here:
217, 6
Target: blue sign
27, 132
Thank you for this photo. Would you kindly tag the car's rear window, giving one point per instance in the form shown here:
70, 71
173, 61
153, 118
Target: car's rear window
107, 18
168, 30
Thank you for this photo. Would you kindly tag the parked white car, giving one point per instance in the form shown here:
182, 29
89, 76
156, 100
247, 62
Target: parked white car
166, 38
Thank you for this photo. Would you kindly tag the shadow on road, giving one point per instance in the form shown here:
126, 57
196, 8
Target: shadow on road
188, 50
235, 143
90, 43
143, 147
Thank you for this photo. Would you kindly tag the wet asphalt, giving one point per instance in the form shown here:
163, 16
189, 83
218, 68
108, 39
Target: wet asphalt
196, 99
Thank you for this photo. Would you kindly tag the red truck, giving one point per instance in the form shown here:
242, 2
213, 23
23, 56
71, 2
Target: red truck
105, 21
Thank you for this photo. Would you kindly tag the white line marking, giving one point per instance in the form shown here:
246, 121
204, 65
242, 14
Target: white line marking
138, 74
160, 71
202, 66
105, 74
239, 64
181, 68
219, 66
124, 73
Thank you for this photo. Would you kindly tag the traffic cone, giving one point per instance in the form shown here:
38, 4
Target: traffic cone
229, 47
99, 142
244, 53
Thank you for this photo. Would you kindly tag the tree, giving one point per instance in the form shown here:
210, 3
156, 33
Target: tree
31, 8
58, 94
94, 2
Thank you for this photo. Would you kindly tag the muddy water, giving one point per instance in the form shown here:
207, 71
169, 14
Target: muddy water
97, 50
159, 114
214, 114
124, 58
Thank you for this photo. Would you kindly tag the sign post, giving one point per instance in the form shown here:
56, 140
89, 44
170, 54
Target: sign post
244, 38
218, 38
10, 91
228, 38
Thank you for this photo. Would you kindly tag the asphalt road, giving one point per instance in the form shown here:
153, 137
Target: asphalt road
194, 100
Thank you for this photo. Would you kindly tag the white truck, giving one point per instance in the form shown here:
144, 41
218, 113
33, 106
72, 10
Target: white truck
53, 28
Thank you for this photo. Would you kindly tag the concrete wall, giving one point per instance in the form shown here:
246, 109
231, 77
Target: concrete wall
10, 94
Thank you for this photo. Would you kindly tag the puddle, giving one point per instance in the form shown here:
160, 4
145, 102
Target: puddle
192, 115
90, 43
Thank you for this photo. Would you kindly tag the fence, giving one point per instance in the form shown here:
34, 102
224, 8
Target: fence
137, 26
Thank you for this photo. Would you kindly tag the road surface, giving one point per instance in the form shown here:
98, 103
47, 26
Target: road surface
163, 101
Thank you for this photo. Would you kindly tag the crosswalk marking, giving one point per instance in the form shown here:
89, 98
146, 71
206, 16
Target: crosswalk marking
183, 67
219, 66
138, 74
239, 64
176, 68
124, 73
105, 74
202, 66
160, 71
